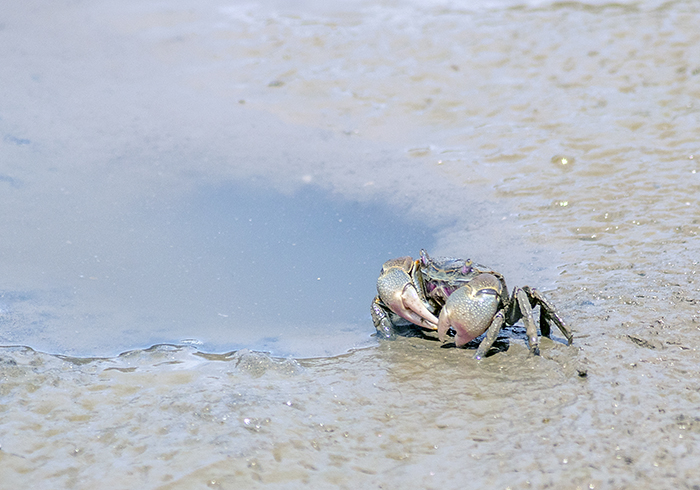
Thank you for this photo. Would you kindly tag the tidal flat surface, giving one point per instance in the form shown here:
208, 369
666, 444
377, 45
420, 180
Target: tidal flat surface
196, 199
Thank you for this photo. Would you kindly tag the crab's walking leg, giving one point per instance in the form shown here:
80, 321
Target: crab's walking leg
548, 314
491, 335
381, 320
521, 302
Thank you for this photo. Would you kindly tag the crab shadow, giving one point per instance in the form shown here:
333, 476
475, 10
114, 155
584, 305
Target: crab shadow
501, 344
508, 334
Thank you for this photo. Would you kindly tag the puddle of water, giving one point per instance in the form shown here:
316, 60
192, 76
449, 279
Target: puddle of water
237, 265
224, 267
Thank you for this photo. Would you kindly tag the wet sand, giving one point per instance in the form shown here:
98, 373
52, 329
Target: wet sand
556, 143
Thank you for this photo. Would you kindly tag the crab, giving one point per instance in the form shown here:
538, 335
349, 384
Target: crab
433, 297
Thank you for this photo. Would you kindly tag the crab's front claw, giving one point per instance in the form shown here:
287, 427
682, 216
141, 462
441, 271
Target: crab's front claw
470, 309
397, 291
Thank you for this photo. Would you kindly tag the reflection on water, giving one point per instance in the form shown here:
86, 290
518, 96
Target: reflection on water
305, 257
227, 266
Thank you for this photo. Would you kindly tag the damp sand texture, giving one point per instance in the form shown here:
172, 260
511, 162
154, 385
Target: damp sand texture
554, 142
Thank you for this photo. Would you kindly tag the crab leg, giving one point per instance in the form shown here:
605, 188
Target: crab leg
381, 320
522, 302
548, 314
491, 335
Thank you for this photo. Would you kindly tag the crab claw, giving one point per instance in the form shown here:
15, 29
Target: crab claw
470, 309
397, 291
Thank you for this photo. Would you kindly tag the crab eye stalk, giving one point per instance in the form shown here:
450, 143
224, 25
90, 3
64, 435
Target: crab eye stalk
424, 259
